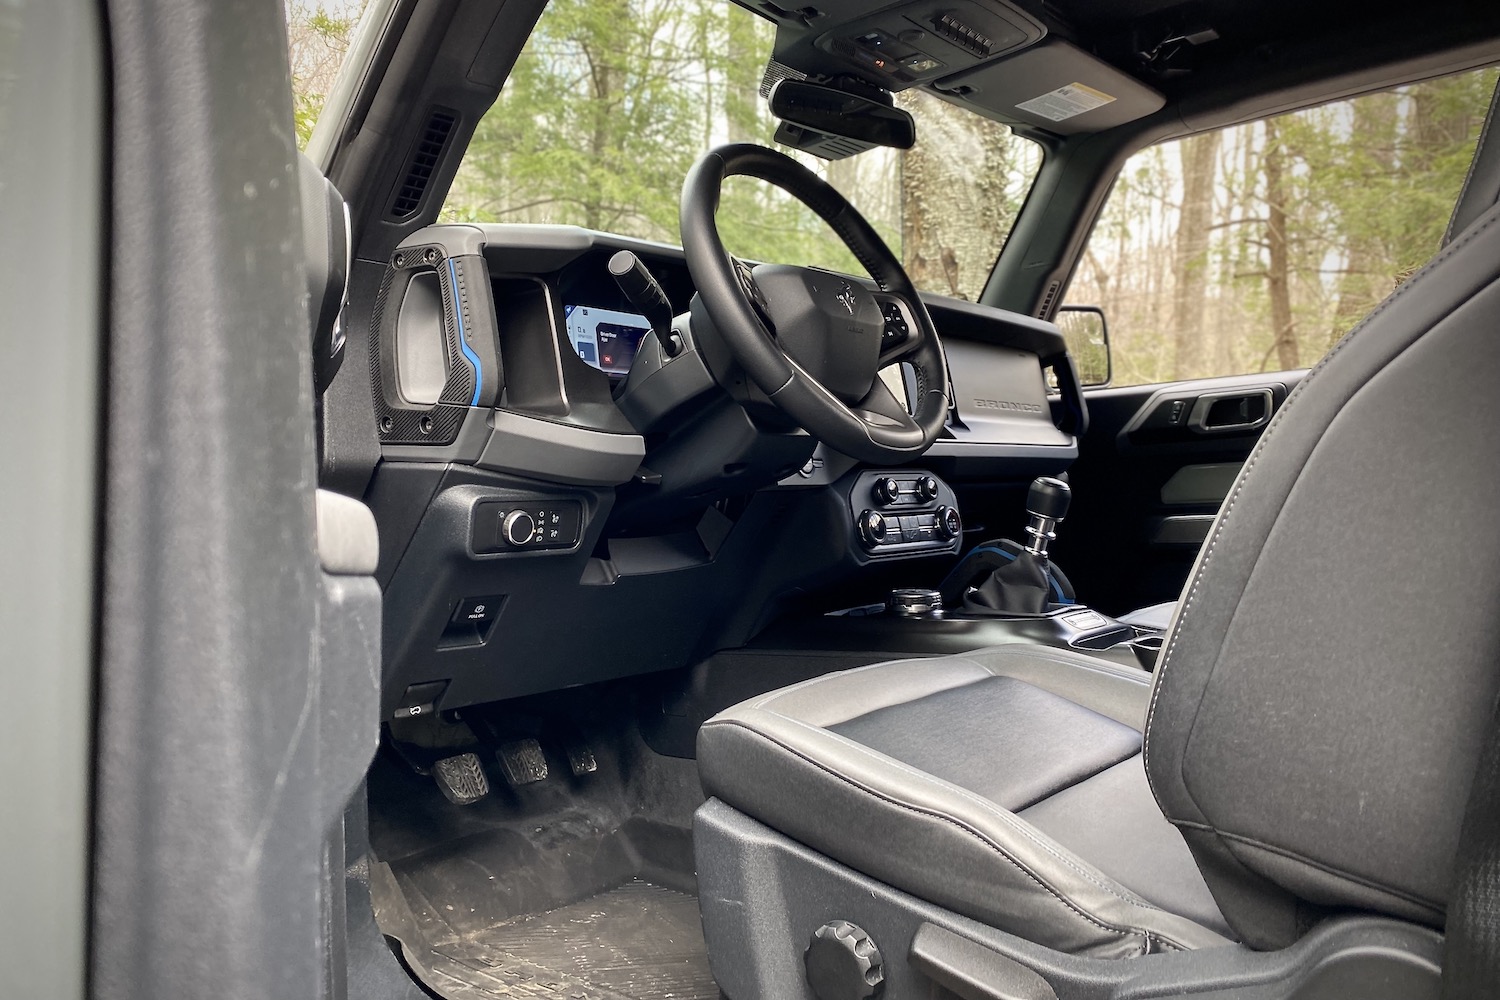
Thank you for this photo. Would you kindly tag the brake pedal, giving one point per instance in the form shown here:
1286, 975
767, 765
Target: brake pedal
523, 762
461, 779
581, 759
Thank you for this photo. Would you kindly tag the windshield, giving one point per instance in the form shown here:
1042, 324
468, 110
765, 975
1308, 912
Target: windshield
611, 101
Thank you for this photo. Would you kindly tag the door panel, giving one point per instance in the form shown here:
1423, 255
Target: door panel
1152, 471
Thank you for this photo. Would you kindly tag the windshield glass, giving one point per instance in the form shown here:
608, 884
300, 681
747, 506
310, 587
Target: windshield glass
611, 101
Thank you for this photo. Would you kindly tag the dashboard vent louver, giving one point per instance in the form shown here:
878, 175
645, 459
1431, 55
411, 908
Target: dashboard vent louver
425, 156
1044, 310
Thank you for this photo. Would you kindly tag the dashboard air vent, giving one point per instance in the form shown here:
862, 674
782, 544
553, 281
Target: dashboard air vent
425, 156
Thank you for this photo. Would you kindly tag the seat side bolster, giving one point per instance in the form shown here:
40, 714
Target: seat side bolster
976, 859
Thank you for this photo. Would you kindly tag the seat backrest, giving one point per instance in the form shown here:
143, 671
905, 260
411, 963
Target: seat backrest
1326, 689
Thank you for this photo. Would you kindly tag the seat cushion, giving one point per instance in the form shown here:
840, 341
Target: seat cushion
914, 772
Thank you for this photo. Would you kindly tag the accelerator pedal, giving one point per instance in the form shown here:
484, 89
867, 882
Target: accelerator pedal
461, 779
581, 759
522, 762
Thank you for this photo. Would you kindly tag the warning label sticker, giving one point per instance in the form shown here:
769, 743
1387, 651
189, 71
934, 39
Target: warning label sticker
1066, 102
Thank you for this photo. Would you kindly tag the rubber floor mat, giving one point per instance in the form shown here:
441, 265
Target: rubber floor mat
637, 941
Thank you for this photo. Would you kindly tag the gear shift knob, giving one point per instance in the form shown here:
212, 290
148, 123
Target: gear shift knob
1049, 498
1047, 503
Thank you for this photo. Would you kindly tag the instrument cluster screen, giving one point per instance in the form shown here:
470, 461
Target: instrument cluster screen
605, 338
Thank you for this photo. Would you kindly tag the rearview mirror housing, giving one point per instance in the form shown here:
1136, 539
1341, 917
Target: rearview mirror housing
833, 123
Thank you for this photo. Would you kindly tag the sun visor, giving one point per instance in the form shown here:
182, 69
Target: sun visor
1056, 86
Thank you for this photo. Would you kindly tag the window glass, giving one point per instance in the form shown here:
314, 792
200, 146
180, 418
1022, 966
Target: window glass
612, 101
318, 35
1255, 248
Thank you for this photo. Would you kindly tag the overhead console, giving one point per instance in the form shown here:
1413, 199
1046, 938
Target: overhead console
986, 54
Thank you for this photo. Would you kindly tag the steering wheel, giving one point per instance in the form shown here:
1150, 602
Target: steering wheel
811, 340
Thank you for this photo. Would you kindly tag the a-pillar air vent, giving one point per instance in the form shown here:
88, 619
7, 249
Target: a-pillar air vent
1044, 311
426, 154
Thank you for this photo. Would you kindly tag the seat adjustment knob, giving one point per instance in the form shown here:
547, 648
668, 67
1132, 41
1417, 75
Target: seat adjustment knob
843, 963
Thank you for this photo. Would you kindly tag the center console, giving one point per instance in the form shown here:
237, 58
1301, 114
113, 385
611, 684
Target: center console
1000, 592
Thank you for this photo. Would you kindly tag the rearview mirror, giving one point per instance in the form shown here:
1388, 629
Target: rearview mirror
833, 123
1087, 335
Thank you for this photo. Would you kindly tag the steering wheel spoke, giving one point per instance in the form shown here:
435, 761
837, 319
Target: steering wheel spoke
880, 407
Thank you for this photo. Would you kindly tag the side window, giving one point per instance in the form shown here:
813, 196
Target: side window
1255, 248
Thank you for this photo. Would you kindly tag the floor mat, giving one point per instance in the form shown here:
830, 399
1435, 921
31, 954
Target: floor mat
637, 941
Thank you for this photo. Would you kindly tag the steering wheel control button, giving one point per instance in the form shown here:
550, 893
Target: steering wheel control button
873, 528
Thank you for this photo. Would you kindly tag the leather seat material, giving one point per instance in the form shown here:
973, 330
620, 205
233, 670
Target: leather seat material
1324, 724
1157, 616
1112, 820
1011, 742
782, 760
1114, 691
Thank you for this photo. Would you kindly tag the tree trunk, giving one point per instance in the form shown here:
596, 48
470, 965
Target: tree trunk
1190, 255
1278, 273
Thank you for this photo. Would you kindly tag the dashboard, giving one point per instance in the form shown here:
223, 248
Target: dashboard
539, 449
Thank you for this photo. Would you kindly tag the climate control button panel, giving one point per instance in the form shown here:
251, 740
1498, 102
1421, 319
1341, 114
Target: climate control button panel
904, 513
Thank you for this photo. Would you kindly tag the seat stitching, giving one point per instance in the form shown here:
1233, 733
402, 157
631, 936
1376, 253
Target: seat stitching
1007, 817
952, 821
1161, 672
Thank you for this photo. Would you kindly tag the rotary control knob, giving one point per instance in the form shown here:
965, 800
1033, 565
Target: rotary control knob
927, 489
843, 963
873, 528
518, 528
949, 524
887, 490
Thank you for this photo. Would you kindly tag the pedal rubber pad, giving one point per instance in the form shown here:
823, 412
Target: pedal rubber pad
461, 779
581, 759
522, 762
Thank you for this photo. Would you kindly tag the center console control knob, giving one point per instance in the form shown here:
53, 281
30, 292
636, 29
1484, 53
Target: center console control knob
949, 524
910, 602
887, 490
873, 528
927, 489
518, 528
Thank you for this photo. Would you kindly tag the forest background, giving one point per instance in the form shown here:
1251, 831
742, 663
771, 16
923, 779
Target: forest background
1250, 249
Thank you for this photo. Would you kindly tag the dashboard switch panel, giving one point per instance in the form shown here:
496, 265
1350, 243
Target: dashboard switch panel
519, 525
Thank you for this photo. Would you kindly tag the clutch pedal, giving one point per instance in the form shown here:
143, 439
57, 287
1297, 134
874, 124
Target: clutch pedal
461, 779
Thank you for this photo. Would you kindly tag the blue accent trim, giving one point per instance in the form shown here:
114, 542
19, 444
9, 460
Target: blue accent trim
458, 311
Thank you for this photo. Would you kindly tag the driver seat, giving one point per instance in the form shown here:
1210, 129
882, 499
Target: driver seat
1304, 754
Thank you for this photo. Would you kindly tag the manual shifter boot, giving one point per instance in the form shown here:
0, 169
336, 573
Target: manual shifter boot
1006, 578
1019, 587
